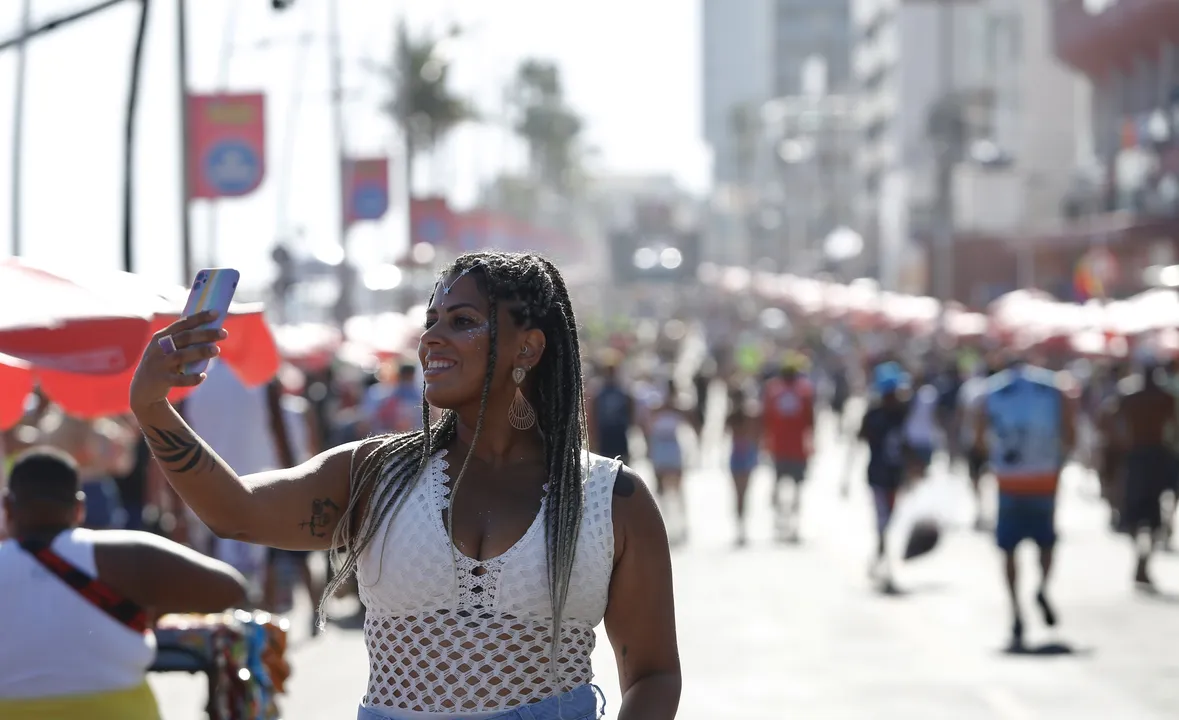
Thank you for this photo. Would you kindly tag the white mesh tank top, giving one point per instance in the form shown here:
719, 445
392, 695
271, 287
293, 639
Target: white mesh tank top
487, 648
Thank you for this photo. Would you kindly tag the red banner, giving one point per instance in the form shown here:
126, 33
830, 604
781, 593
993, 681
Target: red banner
432, 221
365, 184
227, 144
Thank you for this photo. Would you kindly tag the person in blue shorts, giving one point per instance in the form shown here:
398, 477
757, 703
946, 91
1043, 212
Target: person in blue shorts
1025, 427
744, 425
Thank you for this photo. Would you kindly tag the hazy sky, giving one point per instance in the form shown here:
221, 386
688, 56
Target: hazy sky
631, 68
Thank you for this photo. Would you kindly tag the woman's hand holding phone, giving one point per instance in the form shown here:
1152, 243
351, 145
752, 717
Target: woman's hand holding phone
186, 342
178, 355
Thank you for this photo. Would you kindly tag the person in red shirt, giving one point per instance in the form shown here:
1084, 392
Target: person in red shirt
789, 425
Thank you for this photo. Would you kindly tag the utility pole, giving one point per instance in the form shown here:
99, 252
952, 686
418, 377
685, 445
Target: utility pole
345, 301
185, 141
18, 122
228, 38
129, 125
946, 124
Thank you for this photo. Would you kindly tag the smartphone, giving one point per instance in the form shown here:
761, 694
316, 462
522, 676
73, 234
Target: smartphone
212, 289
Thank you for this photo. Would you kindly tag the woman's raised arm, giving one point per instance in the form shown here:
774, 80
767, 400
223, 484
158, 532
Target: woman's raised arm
295, 508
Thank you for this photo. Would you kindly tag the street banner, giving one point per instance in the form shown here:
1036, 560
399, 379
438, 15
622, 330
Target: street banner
432, 221
365, 184
227, 144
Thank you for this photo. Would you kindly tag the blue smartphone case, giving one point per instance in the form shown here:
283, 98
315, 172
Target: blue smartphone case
212, 289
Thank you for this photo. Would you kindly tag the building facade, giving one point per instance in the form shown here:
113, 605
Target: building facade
1124, 204
753, 52
989, 67
811, 28
736, 71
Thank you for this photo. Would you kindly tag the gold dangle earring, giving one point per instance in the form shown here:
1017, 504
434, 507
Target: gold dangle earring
521, 414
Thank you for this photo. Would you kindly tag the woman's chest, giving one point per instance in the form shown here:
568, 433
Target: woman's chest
410, 566
492, 512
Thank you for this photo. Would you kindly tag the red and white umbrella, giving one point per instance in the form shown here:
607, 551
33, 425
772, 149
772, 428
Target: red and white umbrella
57, 323
80, 337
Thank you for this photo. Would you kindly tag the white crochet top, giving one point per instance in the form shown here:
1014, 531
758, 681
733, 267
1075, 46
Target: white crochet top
486, 648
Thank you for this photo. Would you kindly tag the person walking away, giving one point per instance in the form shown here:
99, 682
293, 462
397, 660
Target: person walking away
702, 384
612, 416
744, 426
921, 427
76, 609
840, 394
948, 385
252, 438
301, 432
789, 416
667, 457
970, 403
882, 429
1027, 428
1144, 421
394, 405
134, 485
1111, 463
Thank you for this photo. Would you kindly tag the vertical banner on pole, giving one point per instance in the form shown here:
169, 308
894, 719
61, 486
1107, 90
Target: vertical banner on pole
227, 147
366, 189
431, 221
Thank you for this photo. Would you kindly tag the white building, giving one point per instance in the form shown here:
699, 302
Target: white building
755, 51
996, 58
737, 71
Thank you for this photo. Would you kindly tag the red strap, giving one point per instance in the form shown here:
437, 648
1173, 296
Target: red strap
93, 590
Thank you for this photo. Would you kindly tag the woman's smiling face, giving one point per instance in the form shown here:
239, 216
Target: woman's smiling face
453, 346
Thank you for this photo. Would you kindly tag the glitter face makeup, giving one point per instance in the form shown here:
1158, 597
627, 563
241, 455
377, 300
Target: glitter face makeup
454, 344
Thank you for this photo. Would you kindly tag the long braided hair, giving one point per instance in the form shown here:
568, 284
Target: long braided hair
386, 476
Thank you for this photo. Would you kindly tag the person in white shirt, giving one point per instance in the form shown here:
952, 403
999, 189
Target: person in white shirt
77, 604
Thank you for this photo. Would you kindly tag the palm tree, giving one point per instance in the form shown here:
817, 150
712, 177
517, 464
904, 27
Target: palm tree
546, 123
422, 103
129, 138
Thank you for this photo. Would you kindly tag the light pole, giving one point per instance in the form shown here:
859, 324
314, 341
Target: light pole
129, 140
228, 33
345, 302
945, 112
185, 141
18, 121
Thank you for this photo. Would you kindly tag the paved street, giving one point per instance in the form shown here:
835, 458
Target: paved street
773, 631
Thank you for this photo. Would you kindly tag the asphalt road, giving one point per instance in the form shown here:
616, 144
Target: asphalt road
772, 631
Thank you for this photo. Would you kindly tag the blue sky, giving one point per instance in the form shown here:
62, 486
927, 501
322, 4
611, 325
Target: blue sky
632, 69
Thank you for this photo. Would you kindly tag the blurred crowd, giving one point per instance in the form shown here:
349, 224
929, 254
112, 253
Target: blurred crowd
667, 393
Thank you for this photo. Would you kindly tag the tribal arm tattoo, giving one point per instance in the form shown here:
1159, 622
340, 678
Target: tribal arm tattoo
179, 453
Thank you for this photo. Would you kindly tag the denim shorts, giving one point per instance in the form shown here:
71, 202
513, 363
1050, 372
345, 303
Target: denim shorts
580, 703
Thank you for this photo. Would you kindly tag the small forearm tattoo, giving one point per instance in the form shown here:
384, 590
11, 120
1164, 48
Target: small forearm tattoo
323, 513
179, 453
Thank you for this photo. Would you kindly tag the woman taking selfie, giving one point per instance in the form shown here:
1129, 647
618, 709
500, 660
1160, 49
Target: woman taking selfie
488, 545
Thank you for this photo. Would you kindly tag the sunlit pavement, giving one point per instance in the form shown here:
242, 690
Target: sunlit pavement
778, 631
